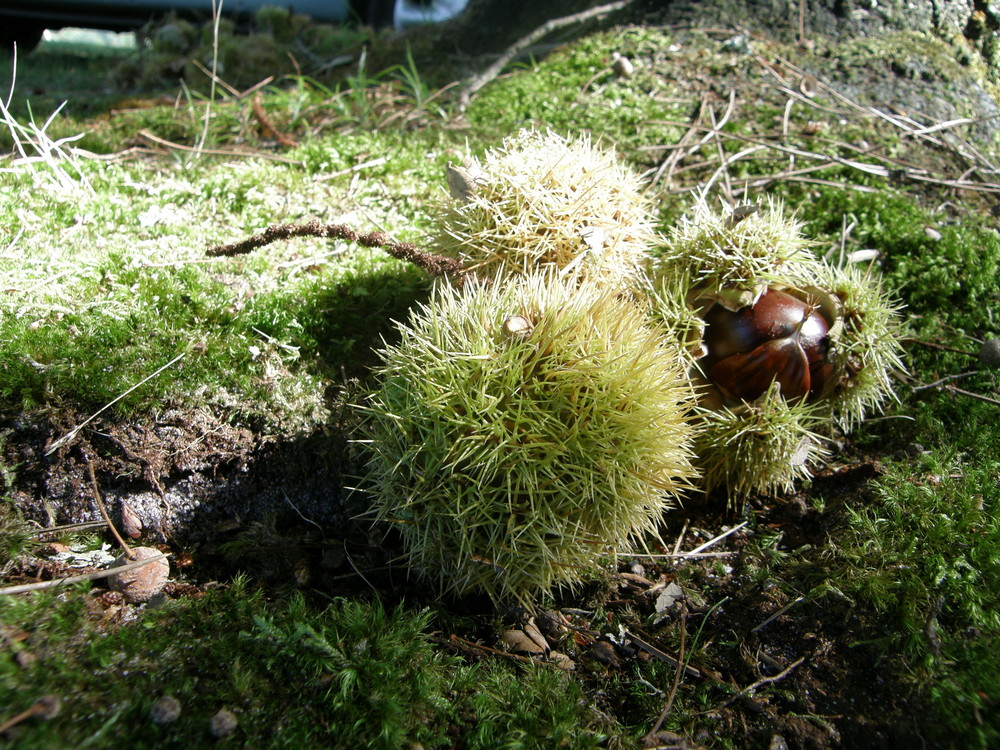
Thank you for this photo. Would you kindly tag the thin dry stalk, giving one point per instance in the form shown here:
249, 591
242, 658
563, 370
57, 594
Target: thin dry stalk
129, 555
714, 540
94, 576
760, 683
73, 432
677, 675
156, 140
932, 133
467, 92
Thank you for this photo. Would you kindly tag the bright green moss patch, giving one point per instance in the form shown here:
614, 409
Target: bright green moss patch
345, 674
574, 89
926, 553
950, 280
131, 287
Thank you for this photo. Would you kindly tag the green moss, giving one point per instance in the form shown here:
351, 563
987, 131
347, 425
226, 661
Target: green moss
131, 287
574, 89
927, 552
346, 674
946, 282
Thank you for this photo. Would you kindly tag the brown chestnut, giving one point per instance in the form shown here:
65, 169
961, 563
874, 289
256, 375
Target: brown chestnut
780, 337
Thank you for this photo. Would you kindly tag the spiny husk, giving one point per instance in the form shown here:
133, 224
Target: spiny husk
718, 257
866, 343
523, 430
667, 298
758, 447
540, 202
732, 259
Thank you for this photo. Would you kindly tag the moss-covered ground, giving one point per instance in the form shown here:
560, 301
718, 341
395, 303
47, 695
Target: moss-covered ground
862, 610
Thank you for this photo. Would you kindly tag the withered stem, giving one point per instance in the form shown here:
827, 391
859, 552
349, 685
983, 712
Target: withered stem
435, 265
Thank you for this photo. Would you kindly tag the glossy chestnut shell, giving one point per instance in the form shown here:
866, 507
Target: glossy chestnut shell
779, 338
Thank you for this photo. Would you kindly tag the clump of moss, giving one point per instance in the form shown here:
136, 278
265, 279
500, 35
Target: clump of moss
541, 202
524, 430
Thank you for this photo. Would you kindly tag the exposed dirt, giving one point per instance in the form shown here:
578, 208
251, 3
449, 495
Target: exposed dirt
184, 476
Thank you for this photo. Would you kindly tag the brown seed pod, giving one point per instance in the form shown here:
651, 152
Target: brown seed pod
779, 338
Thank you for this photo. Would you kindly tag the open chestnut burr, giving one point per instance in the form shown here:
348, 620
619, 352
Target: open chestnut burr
780, 337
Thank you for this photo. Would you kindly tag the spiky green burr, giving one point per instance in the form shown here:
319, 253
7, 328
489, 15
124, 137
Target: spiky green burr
761, 446
732, 255
524, 430
866, 343
544, 202
783, 346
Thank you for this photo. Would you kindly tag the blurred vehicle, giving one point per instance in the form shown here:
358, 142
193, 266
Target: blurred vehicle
23, 21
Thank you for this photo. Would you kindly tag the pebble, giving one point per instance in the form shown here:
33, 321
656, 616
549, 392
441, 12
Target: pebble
223, 724
989, 353
165, 711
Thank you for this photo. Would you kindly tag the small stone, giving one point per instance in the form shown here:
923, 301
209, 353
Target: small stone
223, 724
621, 66
165, 711
932, 233
143, 583
989, 353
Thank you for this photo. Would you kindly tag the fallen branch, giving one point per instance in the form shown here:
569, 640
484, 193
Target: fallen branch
435, 265
465, 95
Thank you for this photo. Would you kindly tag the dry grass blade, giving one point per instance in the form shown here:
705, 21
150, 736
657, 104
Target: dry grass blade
943, 136
96, 575
680, 668
155, 140
467, 92
73, 432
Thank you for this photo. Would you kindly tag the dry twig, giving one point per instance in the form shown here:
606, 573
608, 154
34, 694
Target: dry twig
435, 265
467, 92
257, 104
93, 576
677, 675
760, 683
129, 555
